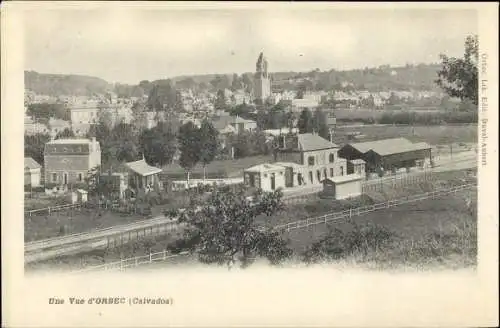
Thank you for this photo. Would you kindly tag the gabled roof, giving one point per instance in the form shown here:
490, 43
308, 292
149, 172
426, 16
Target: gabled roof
30, 163
378, 145
390, 146
309, 142
142, 168
265, 168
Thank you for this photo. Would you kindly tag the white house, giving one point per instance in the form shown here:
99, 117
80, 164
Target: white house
268, 177
32, 172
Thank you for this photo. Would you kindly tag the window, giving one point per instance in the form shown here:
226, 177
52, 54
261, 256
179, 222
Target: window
332, 157
318, 174
310, 160
331, 171
341, 170
54, 177
311, 176
80, 177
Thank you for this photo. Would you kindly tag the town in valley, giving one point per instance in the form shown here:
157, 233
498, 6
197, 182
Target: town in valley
373, 167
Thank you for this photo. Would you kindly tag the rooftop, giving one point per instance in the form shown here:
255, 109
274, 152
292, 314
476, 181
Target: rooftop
69, 141
142, 168
309, 142
30, 163
382, 146
345, 178
265, 168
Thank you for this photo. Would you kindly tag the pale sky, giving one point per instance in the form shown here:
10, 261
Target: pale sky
131, 44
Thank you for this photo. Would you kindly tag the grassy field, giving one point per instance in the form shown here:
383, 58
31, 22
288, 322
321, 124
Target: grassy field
217, 169
440, 232
72, 221
434, 135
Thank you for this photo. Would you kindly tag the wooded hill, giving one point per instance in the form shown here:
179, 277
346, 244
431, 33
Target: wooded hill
383, 78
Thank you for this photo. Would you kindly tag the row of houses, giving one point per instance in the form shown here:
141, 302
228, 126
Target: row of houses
301, 161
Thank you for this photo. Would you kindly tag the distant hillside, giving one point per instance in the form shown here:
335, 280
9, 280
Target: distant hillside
61, 84
383, 78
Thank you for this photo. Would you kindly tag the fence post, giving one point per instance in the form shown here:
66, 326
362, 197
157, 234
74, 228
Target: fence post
150, 257
136, 264
121, 264
164, 254
350, 212
49, 210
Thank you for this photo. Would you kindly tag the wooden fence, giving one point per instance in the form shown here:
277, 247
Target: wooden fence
323, 219
52, 209
132, 262
396, 181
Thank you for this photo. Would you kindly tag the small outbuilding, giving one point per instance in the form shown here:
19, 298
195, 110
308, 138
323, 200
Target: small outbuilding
267, 177
143, 176
341, 187
32, 172
356, 166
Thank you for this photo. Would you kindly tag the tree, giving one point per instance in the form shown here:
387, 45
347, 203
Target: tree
34, 146
158, 145
305, 123
189, 146
208, 137
320, 124
220, 101
458, 77
125, 143
66, 133
222, 230
236, 84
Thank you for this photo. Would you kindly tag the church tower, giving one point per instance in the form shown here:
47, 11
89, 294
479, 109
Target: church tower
262, 87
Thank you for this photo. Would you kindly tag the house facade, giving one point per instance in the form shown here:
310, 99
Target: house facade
68, 161
312, 159
32, 172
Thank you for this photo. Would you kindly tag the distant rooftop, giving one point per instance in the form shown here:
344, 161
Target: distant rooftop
69, 141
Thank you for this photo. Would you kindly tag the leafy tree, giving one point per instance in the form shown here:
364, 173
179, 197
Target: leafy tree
139, 119
34, 146
158, 144
248, 143
223, 230
46, 111
208, 137
305, 123
66, 133
125, 143
458, 77
236, 84
189, 146
179, 104
220, 101
320, 124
